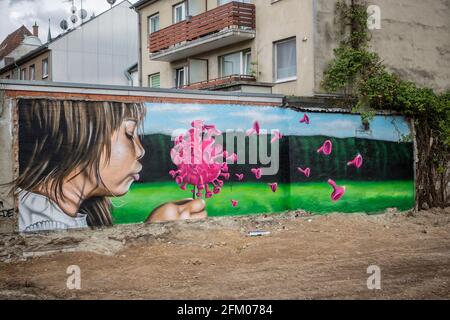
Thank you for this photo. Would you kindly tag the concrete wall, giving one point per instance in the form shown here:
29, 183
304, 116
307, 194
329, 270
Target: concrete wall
100, 51
7, 215
413, 40
281, 20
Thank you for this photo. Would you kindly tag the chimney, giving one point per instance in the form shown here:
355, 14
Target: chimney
36, 30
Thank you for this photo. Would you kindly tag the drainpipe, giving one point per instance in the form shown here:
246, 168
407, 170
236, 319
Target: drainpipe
18, 70
140, 47
129, 77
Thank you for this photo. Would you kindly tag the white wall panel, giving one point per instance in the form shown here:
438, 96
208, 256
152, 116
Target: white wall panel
99, 51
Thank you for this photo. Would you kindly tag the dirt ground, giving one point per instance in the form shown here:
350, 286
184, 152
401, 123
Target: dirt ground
303, 257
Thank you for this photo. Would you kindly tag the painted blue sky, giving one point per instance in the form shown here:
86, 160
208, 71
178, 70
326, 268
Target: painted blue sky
174, 119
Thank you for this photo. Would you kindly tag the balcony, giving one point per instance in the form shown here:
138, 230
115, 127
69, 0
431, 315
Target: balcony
225, 25
235, 82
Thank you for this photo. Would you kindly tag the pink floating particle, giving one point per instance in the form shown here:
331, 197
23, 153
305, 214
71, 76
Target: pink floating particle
254, 129
305, 119
357, 162
199, 162
273, 186
240, 176
338, 192
326, 148
257, 172
277, 136
306, 171
234, 203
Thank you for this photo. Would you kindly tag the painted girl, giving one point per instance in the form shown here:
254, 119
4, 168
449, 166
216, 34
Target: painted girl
74, 156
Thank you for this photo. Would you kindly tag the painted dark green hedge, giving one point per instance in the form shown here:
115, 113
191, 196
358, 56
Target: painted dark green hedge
383, 160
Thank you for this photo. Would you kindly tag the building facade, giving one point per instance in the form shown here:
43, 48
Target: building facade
18, 43
100, 51
280, 46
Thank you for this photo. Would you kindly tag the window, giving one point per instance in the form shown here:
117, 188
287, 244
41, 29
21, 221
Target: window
179, 12
285, 60
154, 80
247, 62
23, 74
153, 23
32, 73
235, 63
198, 70
196, 7
180, 77
44, 68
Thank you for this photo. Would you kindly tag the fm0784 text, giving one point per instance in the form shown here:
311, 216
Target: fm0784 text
233, 309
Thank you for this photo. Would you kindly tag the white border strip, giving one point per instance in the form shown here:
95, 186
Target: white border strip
132, 93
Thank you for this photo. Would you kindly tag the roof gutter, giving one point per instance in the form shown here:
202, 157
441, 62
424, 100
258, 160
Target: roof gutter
129, 77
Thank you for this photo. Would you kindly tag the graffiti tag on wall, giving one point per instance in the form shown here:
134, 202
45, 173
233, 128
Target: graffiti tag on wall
4, 212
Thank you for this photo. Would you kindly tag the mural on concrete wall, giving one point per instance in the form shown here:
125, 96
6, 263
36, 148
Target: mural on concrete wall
102, 163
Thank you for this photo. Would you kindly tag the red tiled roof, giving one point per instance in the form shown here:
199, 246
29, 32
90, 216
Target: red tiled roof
13, 40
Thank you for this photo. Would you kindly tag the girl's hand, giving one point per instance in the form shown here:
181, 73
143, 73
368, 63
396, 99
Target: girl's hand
186, 209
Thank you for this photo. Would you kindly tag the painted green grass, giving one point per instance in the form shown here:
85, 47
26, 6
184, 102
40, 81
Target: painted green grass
257, 198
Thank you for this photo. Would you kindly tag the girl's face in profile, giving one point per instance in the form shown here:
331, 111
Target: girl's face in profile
123, 167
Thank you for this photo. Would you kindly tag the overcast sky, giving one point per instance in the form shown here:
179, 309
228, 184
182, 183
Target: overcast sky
14, 13
175, 118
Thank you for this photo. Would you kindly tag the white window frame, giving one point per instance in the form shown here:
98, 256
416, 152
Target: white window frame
150, 23
150, 80
174, 10
242, 66
32, 75
23, 74
276, 59
245, 66
177, 76
45, 70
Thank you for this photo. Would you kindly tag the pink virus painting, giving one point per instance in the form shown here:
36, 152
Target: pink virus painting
277, 136
254, 130
273, 186
338, 192
357, 162
201, 163
306, 171
305, 119
257, 172
326, 148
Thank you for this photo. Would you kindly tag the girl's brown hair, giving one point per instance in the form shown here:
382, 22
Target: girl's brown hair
56, 137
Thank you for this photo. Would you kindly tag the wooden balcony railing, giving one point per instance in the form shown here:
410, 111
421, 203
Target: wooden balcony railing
233, 14
219, 82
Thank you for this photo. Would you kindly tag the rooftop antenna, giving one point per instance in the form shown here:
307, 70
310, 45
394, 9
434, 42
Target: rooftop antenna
73, 11
64, 24
111, 2
83, 13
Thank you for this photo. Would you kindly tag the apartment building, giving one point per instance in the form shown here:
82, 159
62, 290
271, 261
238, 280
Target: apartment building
99, 51
279, 46
18, 43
